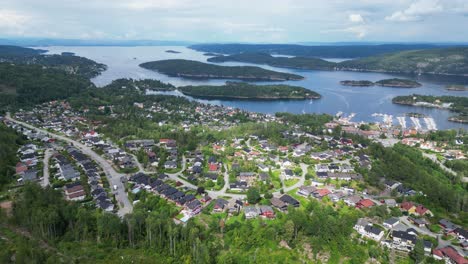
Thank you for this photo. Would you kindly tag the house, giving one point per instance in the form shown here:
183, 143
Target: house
289, 200
320, 193
390, 202
450, 255
266, 211
21, 168
220, 204
74, 192
213, 167
288, 174
421, 222
279, 204
408, 207
447, 225
352, 200
306, 190
170, 164
403, 240
421, 210
263, 168
250, 212
365, 203
366, 229
391, 222
264, 177
461, 233
30, 175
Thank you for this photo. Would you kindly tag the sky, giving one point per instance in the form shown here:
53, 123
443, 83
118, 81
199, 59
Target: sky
259, 21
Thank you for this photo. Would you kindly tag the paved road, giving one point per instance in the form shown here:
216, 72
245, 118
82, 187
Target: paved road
301, 180
46, 174
125, 206
425, 231
433, 157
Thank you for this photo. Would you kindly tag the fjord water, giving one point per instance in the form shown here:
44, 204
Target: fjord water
123, 62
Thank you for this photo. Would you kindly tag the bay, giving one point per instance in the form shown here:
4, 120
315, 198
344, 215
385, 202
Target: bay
123, 62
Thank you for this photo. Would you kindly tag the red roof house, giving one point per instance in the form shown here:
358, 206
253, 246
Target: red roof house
365, 203
449, 253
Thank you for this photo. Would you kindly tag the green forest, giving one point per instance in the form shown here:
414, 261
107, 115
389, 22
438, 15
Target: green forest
200, 70
68, 63
27, 85
444, 61
303, 63
235, 90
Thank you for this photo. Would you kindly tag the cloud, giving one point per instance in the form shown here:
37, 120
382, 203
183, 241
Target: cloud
356, 18
12, 21
417, 11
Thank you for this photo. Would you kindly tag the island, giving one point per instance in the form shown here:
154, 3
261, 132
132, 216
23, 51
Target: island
457, 104
246, 91
142, 85
199, 70
398, 83
456, 87
301, 63
211, 54
398, 59
362, 83
173, 51
395, 82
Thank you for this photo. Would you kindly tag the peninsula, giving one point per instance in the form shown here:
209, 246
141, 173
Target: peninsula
457, 104
199, 70
245, 91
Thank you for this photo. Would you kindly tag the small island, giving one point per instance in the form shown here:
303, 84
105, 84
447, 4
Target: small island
199, 70
455, 104
173, 51
142, 85
456, 87
395, 83
245, 91
362, 83
211, 54
399, 83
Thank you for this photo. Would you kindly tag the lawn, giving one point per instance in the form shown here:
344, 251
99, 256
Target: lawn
290, 182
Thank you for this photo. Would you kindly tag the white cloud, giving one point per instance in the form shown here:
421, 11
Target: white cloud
417, 11
12, 21
356, 18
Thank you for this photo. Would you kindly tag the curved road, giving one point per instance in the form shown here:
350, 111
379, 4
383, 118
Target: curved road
125, 206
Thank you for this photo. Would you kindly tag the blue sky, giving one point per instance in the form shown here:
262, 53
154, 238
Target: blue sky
239, 20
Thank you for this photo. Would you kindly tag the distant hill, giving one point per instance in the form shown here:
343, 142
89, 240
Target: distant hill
26, 85
200, 70
447, 61
242, 91
332, 51
67, 62
284, 62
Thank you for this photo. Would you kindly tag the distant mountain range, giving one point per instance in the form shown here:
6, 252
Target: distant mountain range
319, 51
35, 42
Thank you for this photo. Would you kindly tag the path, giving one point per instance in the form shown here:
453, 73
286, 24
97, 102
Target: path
433, 157
125, 206
46, 173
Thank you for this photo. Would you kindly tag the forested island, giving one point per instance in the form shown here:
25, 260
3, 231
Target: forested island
455, 104
456, 87
444, 61
199, 70
362, 83
284, 62
67, 61
173, 51
142, 85
395, 82
245, 91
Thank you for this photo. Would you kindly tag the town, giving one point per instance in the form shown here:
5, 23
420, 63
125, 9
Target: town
249, 175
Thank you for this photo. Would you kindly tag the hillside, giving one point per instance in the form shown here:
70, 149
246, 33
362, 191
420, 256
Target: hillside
284, 62
449, 61
200, 70
235, 90
66, 62
25, 85
332, 51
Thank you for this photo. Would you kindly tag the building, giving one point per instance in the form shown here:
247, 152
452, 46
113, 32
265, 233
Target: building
391, 223
450, 255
